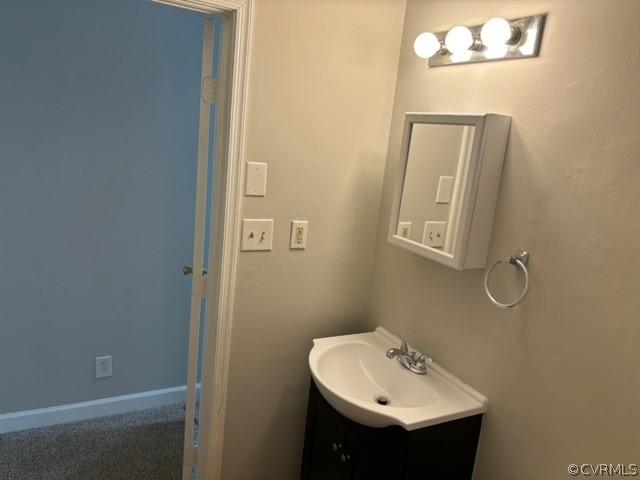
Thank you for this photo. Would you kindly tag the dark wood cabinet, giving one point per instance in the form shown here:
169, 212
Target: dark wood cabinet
337, 448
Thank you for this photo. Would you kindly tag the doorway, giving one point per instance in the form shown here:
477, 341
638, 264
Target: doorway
101, 111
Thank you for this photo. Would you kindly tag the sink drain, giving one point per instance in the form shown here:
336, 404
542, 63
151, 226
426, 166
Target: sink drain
383, 401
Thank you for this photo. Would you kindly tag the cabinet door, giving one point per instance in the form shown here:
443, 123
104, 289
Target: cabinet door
367, 465
328, 448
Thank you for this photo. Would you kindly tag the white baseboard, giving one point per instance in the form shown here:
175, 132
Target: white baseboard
72, 412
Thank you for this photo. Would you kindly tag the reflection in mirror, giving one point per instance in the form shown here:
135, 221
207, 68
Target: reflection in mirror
436, 161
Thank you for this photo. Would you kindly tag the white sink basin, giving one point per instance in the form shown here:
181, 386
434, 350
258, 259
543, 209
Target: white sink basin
353, 373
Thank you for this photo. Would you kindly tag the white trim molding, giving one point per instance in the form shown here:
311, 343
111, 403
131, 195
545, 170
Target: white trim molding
232, 109
207, 6
225, 225
73, 412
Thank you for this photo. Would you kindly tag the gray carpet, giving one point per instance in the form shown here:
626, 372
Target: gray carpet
144, 445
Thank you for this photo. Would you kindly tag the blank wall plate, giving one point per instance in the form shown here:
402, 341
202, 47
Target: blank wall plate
257, 234
299, 229
256, 179
445, 190
104, 366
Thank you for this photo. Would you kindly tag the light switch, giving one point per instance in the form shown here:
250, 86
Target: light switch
257, 234
256, 179
445, 189
434, 234
404, 229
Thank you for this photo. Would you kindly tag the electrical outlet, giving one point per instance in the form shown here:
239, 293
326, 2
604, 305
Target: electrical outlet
104, 367
299, 230
404, 229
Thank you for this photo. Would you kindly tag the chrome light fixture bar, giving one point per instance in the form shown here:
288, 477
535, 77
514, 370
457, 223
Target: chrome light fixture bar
497, 39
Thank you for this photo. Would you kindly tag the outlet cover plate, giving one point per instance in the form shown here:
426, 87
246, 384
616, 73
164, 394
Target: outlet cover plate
104, 366
404, 229
299, 229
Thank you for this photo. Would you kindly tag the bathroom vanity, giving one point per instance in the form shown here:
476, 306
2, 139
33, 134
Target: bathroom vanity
338, 448
370, 418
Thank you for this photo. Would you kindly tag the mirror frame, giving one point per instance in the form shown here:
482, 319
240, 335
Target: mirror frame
467, 203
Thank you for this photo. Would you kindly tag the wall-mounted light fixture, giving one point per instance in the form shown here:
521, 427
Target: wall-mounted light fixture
497, 39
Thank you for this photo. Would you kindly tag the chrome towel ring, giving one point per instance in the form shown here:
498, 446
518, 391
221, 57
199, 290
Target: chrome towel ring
520, 260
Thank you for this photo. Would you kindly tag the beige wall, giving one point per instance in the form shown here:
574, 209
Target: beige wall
561, 371
321, 91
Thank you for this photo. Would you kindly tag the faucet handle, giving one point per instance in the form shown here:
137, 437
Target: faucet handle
424, 360
420, 358
403, 345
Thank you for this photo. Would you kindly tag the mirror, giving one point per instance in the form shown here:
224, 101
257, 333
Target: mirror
444, 161
435, 161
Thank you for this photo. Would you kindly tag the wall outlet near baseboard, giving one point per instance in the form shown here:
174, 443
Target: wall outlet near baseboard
104, 366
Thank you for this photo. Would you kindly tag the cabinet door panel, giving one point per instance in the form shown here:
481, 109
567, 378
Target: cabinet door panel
367, 465
328, 444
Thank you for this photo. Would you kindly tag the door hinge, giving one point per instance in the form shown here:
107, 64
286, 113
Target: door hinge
194, 456
201, 286
210, 90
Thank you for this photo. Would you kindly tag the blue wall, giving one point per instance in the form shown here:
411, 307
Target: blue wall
98, 138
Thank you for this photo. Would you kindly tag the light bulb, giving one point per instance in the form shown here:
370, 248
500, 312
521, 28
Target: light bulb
495, 52
529, 44
496, 32
426, 45
461, 56
459, 39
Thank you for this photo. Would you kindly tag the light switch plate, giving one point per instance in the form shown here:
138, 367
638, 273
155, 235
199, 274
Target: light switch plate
256, 179
404, 229
299, 229
257, 234
445, 190
434, 234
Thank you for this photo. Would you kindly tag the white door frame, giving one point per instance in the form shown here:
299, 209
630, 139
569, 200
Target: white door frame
225, 221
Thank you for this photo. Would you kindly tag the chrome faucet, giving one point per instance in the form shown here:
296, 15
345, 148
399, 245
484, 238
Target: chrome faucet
413, 361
